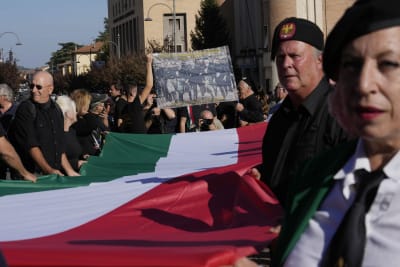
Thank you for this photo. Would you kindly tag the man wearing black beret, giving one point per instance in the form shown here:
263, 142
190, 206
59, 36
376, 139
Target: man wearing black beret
345, 208
302, 127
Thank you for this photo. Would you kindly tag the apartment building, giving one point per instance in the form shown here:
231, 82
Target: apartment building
252, 22
135, 23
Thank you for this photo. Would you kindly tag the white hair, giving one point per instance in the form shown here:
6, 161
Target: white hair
6, 91
66, 104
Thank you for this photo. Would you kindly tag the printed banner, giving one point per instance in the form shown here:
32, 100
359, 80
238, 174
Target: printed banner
194, 78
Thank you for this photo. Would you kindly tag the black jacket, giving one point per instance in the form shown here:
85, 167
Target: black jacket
294, 136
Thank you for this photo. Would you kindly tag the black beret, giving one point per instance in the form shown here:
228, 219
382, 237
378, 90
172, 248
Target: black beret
297, 29
363, 17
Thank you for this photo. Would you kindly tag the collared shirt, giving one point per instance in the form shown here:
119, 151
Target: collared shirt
382, 220
294, 136
38, 125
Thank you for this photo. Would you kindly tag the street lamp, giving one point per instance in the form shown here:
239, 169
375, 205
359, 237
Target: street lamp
13, 33
118, 46
173, 11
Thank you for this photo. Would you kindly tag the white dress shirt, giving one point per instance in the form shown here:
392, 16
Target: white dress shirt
382, 221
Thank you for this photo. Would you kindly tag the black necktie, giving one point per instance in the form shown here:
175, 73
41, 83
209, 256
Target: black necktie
348, 244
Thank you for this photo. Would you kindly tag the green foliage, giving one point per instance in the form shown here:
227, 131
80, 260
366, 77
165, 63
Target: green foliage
98, 79
155, 47
104, 37
132, 67
9, 75
62, 55
210, 30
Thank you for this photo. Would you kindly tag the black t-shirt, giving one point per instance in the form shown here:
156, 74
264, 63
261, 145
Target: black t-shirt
88, 130
295, 135
73, 148
2, 132
38, 125
120, 104
133, 117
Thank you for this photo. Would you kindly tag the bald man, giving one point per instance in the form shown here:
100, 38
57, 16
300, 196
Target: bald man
37, 131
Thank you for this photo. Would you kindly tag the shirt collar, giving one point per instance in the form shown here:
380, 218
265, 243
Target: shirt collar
313, 101
346, 174
358, 161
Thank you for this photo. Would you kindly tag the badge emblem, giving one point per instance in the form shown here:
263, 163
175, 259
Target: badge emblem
287, 31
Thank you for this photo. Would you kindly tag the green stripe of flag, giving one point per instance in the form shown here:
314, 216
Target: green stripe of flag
123, 154
128, 154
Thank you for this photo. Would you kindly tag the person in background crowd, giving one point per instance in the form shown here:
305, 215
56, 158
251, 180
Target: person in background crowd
280, 95
264, 100
159, 120
116, 94
226, 113
11, 158
183, 119
8, 108
249, 107
302, 127
100, 108
132, 117
90, 128
208, 122
191, 115
37, 130
73, 147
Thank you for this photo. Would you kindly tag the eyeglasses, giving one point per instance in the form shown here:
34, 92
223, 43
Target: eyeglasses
38, 86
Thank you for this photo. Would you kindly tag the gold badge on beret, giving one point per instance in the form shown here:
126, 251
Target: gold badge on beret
287, 31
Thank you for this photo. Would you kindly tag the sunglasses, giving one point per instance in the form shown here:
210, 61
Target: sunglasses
38, 86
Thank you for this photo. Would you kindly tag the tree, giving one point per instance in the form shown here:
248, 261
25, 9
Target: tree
62, 55
210, 30
9, 74
104, 37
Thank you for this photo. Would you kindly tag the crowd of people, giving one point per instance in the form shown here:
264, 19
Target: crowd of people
330, 153
57, 135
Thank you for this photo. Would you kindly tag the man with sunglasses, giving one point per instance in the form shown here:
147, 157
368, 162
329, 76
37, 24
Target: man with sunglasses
37, 131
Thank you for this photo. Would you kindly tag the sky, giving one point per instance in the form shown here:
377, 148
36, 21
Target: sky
42, 24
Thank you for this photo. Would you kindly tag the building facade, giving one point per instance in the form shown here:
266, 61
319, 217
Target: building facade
135, 23
322, 12
85, 57
252, 23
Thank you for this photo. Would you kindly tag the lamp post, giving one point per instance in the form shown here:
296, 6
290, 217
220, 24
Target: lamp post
17, 43
173, 11
118, 46
13, 33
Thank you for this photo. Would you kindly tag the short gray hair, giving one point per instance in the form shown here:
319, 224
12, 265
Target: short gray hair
7, 91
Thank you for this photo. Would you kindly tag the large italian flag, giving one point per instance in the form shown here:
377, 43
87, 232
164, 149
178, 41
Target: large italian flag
147, 200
